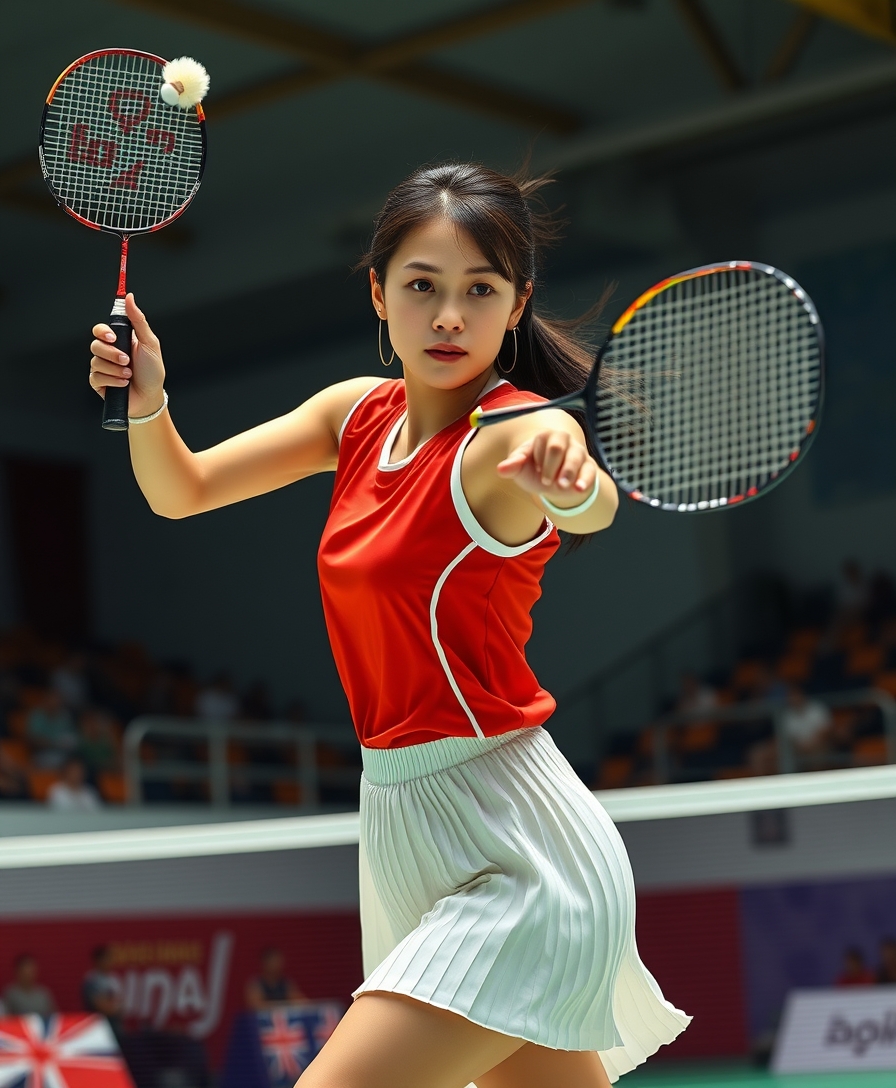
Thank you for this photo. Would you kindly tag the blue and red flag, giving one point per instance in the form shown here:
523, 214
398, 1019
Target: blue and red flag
71, 1050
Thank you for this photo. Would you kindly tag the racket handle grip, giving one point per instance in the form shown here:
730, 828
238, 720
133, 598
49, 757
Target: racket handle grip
115, 404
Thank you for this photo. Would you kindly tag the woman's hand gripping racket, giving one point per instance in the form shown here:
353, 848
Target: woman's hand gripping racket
707, 389
122, 148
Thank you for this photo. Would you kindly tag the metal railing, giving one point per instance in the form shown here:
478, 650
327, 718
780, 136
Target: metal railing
788, 759
216, 769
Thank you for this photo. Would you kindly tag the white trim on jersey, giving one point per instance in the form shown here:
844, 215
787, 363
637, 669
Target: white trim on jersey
434, 631
468, 518
351, 410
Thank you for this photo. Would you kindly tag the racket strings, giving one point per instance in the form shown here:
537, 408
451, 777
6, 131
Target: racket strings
114, 153
731, 367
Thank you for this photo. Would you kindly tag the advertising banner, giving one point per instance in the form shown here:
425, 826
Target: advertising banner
837, 1030
187, 976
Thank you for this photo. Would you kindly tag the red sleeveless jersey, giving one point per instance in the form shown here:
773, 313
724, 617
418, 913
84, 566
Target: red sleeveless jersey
428, 615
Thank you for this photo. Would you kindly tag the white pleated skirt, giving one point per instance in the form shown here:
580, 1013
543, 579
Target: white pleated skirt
493, 884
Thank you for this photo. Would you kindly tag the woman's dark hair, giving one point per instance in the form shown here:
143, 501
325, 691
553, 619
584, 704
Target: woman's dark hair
553, 357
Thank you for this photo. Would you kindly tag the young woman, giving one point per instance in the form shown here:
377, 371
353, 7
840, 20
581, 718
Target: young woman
497, 902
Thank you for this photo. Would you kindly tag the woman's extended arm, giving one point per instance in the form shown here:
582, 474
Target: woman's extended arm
178, 482
513, 466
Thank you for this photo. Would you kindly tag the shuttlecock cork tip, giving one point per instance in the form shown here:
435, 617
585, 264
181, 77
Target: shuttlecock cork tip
185, 82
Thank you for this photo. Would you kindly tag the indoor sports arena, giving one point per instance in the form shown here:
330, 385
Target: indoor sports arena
313, 771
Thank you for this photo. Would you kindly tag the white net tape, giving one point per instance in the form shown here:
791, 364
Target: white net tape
725, 373
113, 152
340, 829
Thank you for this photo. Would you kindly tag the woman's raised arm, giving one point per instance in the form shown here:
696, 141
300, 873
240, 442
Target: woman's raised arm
178, 482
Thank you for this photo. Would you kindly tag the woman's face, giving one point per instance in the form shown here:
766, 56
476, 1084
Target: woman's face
447, 308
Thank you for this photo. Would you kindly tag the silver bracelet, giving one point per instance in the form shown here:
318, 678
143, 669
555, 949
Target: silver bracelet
572, 511
157, 412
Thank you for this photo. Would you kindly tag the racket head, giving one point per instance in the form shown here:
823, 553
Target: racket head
115, 156
711, 387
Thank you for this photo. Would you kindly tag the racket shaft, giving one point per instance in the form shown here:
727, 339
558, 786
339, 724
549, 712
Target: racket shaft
115, 405
478, 418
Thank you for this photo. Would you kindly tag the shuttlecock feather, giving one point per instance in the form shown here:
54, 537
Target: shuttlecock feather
185, 82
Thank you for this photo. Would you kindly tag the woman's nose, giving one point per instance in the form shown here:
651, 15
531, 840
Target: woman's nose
447, 320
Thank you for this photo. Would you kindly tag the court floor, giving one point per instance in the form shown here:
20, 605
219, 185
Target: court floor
721, 1076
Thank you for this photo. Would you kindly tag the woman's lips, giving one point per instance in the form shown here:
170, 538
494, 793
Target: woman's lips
445, 354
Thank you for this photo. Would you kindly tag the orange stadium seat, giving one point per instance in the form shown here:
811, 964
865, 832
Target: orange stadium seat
16, 751
615, 772
17, 723
886, 681
865, 660
870, 750
286, 792
112, 788
795, 666
804, 640
39, 782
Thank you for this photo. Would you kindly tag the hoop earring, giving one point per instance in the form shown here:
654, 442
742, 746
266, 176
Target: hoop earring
380, 343
513, 364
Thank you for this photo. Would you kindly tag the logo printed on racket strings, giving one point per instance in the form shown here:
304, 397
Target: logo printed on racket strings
94, 152
129, 118
83, 148
128, 178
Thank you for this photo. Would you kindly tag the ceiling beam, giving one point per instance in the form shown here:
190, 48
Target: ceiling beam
336, 56
712, 45
875, 18
792, 45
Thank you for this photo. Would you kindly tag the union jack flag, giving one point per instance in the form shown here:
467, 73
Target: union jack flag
67, 1051
291, 1036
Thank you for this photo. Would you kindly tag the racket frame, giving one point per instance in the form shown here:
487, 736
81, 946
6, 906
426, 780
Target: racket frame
585, 399
115, 403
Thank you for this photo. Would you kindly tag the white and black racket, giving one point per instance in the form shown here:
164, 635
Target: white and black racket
119, 158
712, 388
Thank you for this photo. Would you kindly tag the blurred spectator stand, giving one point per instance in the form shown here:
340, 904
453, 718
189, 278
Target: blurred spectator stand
72, 793
271, 986
25, 996
856, 971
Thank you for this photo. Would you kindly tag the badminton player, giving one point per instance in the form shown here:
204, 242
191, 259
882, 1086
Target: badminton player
497, 901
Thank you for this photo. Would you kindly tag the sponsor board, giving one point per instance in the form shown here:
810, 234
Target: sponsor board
837, 1030
188, 974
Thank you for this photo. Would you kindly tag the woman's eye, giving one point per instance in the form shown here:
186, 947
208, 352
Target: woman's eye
481, 290
420, 285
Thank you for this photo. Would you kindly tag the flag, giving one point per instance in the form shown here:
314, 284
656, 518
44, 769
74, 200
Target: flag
71, 1050
291, 1036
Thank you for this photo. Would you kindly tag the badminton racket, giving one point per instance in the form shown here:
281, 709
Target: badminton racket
707, 390
122, 149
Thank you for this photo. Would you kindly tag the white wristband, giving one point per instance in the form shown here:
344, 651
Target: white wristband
571, 511
157, 412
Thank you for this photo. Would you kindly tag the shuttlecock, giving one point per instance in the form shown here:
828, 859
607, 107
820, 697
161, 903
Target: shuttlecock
186, 82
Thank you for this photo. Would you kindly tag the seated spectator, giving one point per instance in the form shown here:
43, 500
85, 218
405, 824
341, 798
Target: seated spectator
856, 971
271, 986
13, 784
24, 996
72, 793
218, 701
98, 744
766, 687
807, 722
695, 695
886, 973
69, 679
50, 730
851, 594
101, 989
